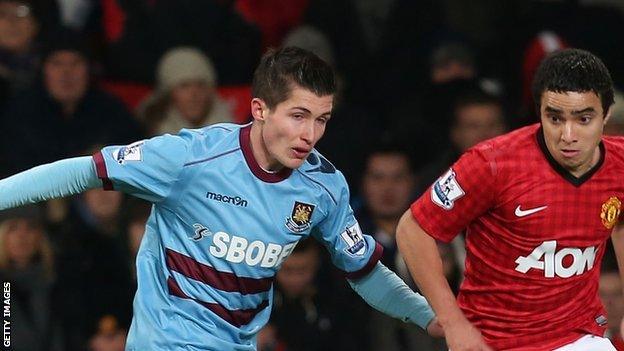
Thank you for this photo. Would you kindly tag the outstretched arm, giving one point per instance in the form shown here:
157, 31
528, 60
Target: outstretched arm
53, 180
386, 292
421, 254
617, 238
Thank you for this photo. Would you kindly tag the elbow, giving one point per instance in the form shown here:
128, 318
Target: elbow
402, 231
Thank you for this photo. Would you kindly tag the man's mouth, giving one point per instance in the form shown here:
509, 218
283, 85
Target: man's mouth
569, 153
300, 152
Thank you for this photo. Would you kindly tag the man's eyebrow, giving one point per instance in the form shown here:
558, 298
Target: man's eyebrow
553, 110
585, 110
301, 108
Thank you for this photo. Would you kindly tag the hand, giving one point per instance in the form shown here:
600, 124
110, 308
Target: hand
463, 336
435, 328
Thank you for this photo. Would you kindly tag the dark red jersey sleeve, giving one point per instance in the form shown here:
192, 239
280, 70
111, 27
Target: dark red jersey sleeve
461, 194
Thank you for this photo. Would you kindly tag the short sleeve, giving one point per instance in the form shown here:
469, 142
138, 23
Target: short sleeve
351, 251
460, 195
147, 169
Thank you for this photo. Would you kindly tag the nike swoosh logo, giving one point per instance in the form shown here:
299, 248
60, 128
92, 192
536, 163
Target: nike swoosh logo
522, 213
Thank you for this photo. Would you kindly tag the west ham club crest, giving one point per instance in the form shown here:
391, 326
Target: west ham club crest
300, 218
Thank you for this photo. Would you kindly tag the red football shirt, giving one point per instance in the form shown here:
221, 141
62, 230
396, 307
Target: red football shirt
535, 237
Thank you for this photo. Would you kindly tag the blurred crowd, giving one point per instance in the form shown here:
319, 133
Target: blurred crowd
420, 83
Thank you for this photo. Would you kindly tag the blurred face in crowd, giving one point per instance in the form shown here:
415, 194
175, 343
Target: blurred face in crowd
611, 296
104, 205
18, 28
475, 123
193, 100
21, 241
573, 123
388, 184
66, 76
285, 135
298, 272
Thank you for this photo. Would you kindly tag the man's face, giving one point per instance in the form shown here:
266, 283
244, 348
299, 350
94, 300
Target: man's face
298, 272
573, 124
103, 205
192, 99
18, 28
66, 76
21, 241
292, 128
388, 185
475, 123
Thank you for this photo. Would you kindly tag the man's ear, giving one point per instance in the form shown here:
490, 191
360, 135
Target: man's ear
607, 115
259, 109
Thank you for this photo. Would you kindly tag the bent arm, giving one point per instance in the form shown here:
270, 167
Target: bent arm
53, 180
386, 292
617, 238
423, 259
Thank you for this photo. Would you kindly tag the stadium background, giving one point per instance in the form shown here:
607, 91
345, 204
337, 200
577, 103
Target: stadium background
420, 81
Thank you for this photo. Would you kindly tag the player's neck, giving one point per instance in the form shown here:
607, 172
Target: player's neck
261, 153
580, 171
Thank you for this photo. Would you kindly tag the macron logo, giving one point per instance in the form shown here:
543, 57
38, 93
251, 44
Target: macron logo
234, 200
523, 213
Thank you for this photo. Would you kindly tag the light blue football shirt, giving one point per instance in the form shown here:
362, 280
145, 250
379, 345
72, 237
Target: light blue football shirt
219, 230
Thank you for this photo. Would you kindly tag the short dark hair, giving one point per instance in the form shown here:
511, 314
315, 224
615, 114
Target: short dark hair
476, 96
385, 147
279, 69
573, 70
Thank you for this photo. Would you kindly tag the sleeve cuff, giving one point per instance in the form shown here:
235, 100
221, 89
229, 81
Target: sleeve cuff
100, 169
375, 257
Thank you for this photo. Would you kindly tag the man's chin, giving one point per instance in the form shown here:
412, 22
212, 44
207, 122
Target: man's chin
294, 163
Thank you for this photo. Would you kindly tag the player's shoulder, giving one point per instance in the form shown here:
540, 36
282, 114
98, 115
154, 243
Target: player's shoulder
318, 169
213, 138
614, 146
512, 145
211, 132
191, 145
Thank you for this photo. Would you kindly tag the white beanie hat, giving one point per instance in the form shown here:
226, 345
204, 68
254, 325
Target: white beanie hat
183, 64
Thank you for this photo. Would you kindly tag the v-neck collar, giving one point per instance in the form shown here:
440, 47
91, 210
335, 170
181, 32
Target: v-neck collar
576, 181
259, 172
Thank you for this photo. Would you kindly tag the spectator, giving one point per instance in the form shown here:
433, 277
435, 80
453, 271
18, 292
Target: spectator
186, 95
476, 116
422, 118
452, 61
109, 336
306, 317
388, 187
93, 266
387, 190
64, 113
27, 263
19, 56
